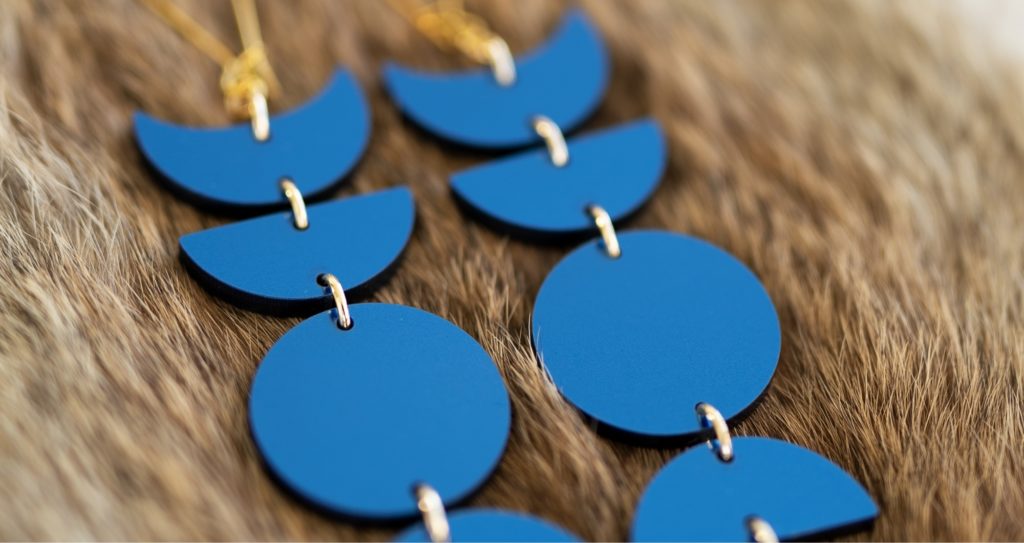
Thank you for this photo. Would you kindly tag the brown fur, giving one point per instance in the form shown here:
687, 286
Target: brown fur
865, 161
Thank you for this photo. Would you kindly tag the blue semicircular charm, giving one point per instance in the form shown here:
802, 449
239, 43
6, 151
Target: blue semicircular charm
352, 420
636, 342
487, 525
801, 494
266, 264
563, 80
618, 169
314, 145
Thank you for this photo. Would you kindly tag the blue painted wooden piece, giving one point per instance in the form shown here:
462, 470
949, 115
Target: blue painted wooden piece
801, 494
314, 145
636, 342
351, 420
266, 264
618, 169
563, 80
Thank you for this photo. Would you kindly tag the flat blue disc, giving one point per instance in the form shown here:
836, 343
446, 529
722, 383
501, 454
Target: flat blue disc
266, 264
314, 145
617, 168
563, 80
492, 525
636, 342
801, 494
351, 420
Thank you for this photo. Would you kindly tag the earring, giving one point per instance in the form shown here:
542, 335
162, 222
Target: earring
634, 329
368, 410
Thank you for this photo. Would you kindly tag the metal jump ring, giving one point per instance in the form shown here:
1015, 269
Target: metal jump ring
760, 531
259, 116
607, 229
553, 138
503, 65
340, 302
435, 519
298, 203
710, 417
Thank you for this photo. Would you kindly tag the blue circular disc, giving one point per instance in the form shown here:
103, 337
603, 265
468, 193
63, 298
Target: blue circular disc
492, 525
352, 420
636, 342
802, 495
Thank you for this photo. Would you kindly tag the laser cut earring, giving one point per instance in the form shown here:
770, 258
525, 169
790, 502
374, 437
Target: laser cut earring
359, 407
634, 329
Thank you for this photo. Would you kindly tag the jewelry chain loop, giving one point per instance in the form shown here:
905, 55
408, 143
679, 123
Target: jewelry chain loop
607, 229
451, 27
435, 519
247, 79
710, 417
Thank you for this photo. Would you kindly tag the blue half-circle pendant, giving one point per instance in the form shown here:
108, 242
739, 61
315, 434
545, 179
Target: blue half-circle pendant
525, 194
486, 525
266, 264
800, 494
636, 342
563, 80
352, 420
314, 146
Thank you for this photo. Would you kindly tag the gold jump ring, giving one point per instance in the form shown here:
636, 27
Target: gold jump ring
553, 138
435, 519
710, 417
340, 302
259, 116
607, 229
298, 203
760, 531
503, 66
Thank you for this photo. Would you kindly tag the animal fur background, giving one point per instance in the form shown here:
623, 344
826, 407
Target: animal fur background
864, 159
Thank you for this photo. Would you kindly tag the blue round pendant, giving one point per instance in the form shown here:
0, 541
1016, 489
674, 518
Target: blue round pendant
351, 420
636, 342
801, 494
492, 525
563, 80
526, 194
314, 145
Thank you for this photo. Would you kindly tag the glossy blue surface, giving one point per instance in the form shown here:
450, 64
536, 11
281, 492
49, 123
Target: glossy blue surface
636, 342
492, 525
563, 80
351, 420
266, 264
314, 145
802, 495
618, 168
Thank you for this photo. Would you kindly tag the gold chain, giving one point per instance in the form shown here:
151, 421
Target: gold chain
247, 79
451, 27
448, 25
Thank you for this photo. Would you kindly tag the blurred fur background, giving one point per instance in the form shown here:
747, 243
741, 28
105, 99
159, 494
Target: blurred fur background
863, 159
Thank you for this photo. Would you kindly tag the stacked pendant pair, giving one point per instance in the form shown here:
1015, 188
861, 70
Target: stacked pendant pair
352, 420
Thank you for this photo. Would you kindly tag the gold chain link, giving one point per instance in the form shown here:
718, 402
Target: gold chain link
246, 77
449, 26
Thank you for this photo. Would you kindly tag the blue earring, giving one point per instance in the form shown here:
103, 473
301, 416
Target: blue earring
636, 329
361, 410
